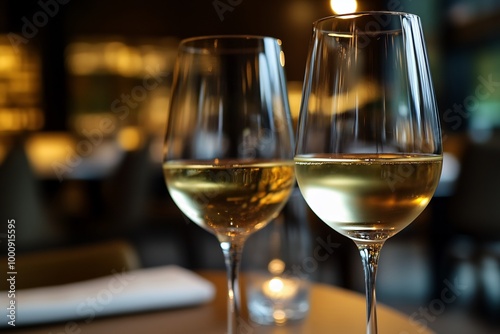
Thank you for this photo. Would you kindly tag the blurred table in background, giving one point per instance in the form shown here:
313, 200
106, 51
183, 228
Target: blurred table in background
333, 310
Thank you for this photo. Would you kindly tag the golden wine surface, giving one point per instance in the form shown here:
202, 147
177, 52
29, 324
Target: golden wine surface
230, 200
368, 197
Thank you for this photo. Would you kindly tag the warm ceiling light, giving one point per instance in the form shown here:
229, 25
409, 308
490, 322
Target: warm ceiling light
343, 6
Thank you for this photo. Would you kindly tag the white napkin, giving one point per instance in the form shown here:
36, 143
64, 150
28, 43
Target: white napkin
121, 292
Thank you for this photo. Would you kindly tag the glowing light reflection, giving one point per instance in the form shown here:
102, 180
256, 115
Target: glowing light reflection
328, 204
343, 6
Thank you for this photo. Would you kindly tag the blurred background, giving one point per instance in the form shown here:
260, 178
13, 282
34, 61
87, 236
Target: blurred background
84, 93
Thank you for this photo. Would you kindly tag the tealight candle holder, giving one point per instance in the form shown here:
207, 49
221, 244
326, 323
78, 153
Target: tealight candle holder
278, 292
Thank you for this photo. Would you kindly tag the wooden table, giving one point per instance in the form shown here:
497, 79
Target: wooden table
333, 310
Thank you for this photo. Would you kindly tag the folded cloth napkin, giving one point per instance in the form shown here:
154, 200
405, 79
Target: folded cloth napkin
120, 292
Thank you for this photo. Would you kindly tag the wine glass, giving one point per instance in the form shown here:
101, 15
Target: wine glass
228, 161
369, 152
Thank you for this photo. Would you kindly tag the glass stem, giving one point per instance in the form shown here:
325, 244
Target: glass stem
370, 255
232, 256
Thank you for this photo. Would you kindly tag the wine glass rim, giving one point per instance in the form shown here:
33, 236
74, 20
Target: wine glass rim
365, 13
228, 37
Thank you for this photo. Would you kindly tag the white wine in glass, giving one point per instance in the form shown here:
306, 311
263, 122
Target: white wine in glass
369, 152
237, 199
228, 161
370, 203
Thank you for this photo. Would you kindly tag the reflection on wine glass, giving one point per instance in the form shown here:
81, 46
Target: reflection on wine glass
369, 153
228, 160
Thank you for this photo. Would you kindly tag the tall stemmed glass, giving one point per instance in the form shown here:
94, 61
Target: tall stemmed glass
368, 156
228, 160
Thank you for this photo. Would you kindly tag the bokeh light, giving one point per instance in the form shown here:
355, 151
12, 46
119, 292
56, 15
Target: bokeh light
343, 6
